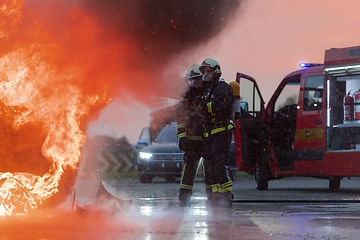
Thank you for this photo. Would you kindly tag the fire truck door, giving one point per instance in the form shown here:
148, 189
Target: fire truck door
249, 130
283, 121
309, 138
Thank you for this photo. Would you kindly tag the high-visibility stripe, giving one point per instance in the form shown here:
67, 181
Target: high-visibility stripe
183, 172
215, 187
226, 187
309, 134
194, 137
180, 125
180, 135
217, 130
209, 107
187, 187
208, 187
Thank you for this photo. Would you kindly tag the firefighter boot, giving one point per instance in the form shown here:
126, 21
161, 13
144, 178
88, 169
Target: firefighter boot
184, 197
225, 200
215, 198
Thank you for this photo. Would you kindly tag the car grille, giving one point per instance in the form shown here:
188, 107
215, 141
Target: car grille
168, 157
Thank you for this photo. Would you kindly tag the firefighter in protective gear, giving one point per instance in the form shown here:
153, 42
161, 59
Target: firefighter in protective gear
217, 102
190, 135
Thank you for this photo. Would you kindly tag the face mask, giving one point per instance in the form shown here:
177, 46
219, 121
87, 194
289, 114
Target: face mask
196, 82
208, 76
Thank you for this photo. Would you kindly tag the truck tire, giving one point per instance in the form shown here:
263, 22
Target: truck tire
334, 183
262, 176
145, 178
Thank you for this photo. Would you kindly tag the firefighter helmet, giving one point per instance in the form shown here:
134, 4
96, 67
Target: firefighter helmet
194, 76
209, 62
193, 71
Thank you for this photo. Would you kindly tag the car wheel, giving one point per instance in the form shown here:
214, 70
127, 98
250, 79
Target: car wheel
262, 176
334, 183
144, 178
170, 179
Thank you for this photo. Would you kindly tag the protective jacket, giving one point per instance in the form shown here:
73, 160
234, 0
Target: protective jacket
217, 103
189, 115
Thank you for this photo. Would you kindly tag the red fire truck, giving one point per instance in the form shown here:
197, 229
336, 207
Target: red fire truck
310, 126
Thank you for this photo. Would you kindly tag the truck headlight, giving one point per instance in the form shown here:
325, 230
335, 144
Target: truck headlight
145, 155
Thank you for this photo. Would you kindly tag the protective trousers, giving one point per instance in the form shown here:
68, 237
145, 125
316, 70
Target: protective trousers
191, 161
217, 152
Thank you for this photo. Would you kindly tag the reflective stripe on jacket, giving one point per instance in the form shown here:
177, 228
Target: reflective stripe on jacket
217, 130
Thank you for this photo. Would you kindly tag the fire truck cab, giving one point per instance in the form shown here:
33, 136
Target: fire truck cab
310, 127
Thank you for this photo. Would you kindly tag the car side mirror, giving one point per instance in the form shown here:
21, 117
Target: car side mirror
142, 143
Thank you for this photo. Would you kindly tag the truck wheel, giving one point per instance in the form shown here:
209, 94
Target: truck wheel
144, 178
262, 176
334, 183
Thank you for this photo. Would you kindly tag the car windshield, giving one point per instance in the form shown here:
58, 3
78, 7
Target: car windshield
167, 135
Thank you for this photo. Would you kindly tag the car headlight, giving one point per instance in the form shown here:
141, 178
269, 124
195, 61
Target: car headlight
145, 155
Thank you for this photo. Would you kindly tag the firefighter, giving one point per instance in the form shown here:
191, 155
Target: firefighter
217, 102
190, 135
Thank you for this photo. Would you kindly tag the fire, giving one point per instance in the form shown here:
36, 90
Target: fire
10, 13
61, 63
44, 99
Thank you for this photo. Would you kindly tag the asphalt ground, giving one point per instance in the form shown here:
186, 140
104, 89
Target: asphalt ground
294, 208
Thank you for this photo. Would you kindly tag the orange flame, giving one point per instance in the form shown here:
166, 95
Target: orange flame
49, 83
10, 13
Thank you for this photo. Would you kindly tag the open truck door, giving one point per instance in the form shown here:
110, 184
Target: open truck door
250, 129
296, 116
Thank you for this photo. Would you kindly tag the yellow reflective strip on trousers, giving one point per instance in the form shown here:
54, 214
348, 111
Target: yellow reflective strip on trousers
215, 187
227, 184
182, 172
180, 125
187, 187
226, 187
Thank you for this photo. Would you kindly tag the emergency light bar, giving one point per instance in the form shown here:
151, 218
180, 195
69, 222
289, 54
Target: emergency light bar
305, 65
